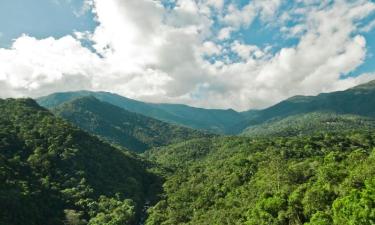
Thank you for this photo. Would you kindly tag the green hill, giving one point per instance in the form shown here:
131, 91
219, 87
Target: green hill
309, 123
130, 130
213, 120
359, 101
52, 173
318, 179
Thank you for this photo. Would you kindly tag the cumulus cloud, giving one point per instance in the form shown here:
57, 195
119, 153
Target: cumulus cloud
187, 53
32, 67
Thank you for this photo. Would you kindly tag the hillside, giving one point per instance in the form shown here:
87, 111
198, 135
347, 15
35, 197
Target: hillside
309, 123
359, 100
52, 173
319, 179
213, 120
130, 130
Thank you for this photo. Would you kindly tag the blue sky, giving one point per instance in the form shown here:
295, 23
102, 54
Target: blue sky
42, 18
210, 53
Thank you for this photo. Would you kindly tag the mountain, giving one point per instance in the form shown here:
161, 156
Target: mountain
130, 130
53, 173
326, 179
213, 120
309, 123
359, 100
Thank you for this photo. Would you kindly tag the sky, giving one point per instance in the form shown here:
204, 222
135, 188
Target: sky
240, 54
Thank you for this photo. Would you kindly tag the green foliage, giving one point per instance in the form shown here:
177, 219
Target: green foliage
356, 208
290, 174
53, 173
281, 181
309, 123
130, 130
113, 211
358, 101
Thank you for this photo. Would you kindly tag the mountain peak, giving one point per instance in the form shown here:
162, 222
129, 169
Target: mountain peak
24, 102
299, 98
366, 86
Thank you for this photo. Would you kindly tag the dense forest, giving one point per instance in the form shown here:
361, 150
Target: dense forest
52, 173
320, 179
309, 123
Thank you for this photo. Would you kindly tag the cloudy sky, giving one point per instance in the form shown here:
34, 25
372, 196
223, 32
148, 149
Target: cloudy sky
240, 54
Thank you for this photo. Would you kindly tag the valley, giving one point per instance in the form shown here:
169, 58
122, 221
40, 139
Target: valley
98, 158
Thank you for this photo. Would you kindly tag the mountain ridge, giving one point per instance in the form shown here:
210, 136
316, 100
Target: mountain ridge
131, 130
213, 120
358, 100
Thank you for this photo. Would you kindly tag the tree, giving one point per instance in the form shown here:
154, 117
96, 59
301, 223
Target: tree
113, 211
358, 208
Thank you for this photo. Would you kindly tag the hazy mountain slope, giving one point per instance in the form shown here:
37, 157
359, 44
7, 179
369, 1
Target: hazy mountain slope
214, 120
308, 123
53, 173
131, 130
359, 100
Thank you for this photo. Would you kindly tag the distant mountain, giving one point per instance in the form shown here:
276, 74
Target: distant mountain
53, 173
310, 123
130, 130
213, 120
359, 100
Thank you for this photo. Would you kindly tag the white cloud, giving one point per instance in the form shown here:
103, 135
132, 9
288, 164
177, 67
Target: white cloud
218, 4
33, 67
225, 33
155, 54
86, 7
246, 51
210, 48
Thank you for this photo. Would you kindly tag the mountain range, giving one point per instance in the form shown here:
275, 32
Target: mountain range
213, 120
359, 101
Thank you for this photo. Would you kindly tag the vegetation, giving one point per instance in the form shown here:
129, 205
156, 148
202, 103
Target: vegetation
320, 179
308, 160
52, 173
359, 101
309, 123
130, 130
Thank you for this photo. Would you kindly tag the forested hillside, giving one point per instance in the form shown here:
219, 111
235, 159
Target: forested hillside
359, 100
320, 179
130, 130
309, 123
52, 173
